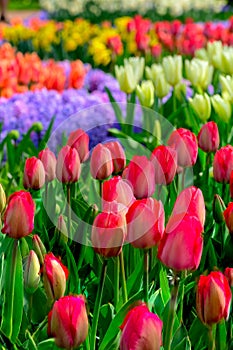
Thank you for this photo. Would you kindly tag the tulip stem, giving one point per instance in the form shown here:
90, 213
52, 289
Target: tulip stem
100, 188
211, 343
146, 275
171, 314
116, 280
123, 280
97, 305
69, 210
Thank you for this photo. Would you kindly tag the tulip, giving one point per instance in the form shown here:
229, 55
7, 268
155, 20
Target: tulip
218, 209
141, 174
49, 161
199, 73
19, 215
153, 72
55, 275
108, 234
201, 106
164, 159
61, 229
208, 137
79, 140
227, 87
172, 67
181, 245
2, 199
145, 223
228, 216
213, 298
145, 93
31, 273
137, 64
214, 50
141, 329
126, 78
222, 108
68, 165
101, 165
223, 164
231, 184
162, 87
118, 155
226, 61
180, 91
229, 275
185, 144
68, 321
39, 248
34, 174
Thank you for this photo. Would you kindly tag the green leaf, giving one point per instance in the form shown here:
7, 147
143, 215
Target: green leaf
39, 306
48, 344
73, 275
115, 107
221, 336
46, 137
198, 333
183, 345
165, 290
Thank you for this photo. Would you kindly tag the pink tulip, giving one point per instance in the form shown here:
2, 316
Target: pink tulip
68, 165
164, 159
223, 164
34, 174
185, 144
141, 174
181, 245
228, 216
231, 184
208, 137
68, 321
49, 161
19, 215
101, 165
118, 156
213, 298
108, 234
141, 329
229, 275
79, 140
145, 223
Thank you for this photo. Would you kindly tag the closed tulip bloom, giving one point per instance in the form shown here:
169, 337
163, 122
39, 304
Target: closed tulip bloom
213, 298
228, 216
31, 272
126, 78
153, 72
181, 245
108, 234
2, 199
172, 67
68, 165
145, 223
164, 159
231, 184
39, 248
55, 275
118, 155
223, 164
227, 87
79, 140
208, 137
201, 106
138, 65
199, 73
229, 275
185, 144
141, 329
68, 321
222, 108
34, 174
145, 93
49, 161
19, 215
101, 165
141, 174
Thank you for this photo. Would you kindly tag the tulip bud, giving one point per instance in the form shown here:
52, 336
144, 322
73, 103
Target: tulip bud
68, 165
101, 165
68, 322
228, 216
180, 91
49, 161
145, 93
227, 87
222, 108
141, 329
164, 159
213, 298
79, 140
108, 234
137, 64
118, 155
223, 164
2, 199
38, 127
34, 174
201, 106
229, 275
31, 273
181, 245
55, 275
162, 87
199, 73
208, 137
218, 209
126, 78
19, 215
14, 134
172, 67
153, 72
39, 248
145, 223
185, 144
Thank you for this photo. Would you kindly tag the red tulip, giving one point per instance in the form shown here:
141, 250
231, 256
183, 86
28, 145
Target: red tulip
208, 137
164, 159
19, 215
141, 329
101, 165
145, 223
229, 275
228, 216
49, 161
68, 165
79, 140
108, 234
223, 164
118, 156
55, 275
181, 245
141, 174
213, 298
231, 184
185, 143
68, 322
34, 174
